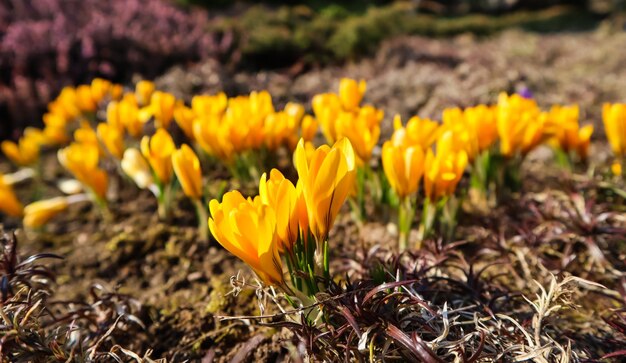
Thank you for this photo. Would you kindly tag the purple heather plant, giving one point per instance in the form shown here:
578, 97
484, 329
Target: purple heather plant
46, 44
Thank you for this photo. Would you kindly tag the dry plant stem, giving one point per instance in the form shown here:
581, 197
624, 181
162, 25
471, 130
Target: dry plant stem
203, 217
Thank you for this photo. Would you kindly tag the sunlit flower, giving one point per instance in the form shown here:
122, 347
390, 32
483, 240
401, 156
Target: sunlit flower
326, 107
128, 113
143, 91
39, 213
246, 228
562, 125
280, 194
351, 93
614, 117
205, 105
158, 150
112, 138
308, 128
9, 204
404, 167
185, 117
84, 99
520, 125
82, 161
327, 180
417, 132
162, 108
25, 152
443, 170
362, 128
137, 168
187, 168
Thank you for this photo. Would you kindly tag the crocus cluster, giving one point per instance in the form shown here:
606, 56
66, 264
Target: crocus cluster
286, 221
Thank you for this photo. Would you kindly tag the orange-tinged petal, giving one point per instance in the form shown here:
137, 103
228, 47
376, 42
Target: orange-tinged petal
187, 168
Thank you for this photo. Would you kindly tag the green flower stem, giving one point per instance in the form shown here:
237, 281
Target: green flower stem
429, 215
164, 201
406, 213
203, 218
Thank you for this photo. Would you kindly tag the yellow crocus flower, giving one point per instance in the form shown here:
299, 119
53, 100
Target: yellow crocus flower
187, 168
246, 228
112, 138
39, 213
158, 150
137, 168
404, 167
185, 117
280, 194
308, 128
128, 113
443, 171
84, 99
143, 91
205, 105
362, 136
55, 135
614, 118
520, 124
483, 120
82, 161
100, 88
327, 180
417, 132
66, 104
25, 152
162, 108
9, 204
326, 107
351, 93
562, 125
85, 134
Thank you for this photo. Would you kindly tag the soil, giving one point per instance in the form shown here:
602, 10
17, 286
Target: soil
182, 284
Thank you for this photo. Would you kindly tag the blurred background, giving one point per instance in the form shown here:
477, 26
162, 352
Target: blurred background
417, 55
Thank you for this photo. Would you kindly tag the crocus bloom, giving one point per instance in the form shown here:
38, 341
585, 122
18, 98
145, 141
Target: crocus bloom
9, 204
158, 150
308, 128
246, 228
326, 107
185, 117
404, 167
39, 213
362, 138
128, 113
112, 138
82, 161
443, 171
614, 117
280, 194
84, 99
327, 180
143, 91
418, 132
520, 126
187, 168
562, 125
162, 108
205, 105
137, 168
351, 93
24, 152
